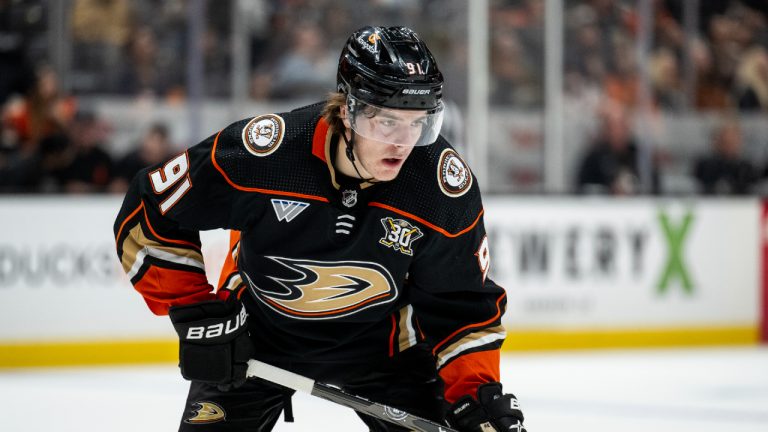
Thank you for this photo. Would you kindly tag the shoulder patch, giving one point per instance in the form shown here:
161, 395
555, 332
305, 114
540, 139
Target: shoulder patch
263, 134
453, 175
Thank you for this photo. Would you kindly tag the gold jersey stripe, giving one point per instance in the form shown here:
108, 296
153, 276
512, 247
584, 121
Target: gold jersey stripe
472, 340
137, 246
407, 337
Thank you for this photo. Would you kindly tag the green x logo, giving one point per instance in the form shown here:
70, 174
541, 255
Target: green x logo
675, 267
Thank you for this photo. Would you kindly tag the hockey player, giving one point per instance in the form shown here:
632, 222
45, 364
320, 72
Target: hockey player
359, 256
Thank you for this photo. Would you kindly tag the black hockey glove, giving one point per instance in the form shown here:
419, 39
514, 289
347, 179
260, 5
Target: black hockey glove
214, 346
491, 411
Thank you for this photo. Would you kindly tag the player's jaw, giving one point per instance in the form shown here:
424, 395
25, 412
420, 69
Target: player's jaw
383, 161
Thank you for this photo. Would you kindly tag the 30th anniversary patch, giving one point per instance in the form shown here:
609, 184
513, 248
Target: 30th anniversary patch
400, 235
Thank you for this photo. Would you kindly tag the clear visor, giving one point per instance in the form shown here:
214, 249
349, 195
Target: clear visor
395, 126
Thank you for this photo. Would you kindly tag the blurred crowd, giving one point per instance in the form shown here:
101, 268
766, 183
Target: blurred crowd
719, 63
714, 60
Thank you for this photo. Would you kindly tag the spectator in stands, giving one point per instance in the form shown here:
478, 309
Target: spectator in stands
668, 33
513, 82
17, 170
309, 68
100, 30
154, 148
710, 92
725, 171
613, 164
168, 22
90, 168
140, 75
752, 80
584, 46
725, 48
664, 72
34, 134
216, 64
622, 82
15, 69
42, 112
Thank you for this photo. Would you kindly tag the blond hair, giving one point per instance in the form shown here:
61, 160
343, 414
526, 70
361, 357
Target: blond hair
751, 73
332, 110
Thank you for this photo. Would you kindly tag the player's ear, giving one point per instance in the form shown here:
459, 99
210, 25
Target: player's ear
344, 115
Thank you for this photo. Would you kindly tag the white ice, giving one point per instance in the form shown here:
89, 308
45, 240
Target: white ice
677, 390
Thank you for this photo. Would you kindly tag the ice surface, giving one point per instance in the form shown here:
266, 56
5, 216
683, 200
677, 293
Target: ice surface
618, 391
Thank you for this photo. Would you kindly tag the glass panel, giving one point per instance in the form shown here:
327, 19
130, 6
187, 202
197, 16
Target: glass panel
516, 141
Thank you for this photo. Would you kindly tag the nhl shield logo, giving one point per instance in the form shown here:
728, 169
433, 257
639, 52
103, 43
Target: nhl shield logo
263, 134
349, 197
400, 235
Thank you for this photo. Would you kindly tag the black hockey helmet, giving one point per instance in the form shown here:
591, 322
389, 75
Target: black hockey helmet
391, 68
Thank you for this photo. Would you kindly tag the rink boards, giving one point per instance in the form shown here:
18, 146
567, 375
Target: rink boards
579, 273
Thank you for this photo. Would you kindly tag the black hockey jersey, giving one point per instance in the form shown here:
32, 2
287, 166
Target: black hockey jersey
336, 270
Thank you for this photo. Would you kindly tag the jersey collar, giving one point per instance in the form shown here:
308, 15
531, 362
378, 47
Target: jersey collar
322, 143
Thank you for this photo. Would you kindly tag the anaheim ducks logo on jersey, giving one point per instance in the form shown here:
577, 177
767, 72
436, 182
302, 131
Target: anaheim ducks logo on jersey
206, 412
400, 235
453, 174
263, 134
326, 289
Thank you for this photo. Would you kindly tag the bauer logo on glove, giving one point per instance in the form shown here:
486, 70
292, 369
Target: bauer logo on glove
218, 329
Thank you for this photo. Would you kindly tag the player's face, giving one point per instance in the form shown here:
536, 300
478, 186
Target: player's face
411, 127
379, 160
384, 138
391, 126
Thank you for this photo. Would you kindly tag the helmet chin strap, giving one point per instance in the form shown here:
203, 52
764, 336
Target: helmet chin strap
349, 151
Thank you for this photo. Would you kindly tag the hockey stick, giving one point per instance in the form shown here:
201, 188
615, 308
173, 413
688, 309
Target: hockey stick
334, 394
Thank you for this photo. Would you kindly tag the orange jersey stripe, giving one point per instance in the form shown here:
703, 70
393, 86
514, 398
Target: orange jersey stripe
392, 336
494, 318
318, 139
431, 225
466, 373
125, 221
252, 189
181, 242
163, 288
230, 265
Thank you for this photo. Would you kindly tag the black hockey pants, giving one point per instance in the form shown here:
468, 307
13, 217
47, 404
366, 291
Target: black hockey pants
408, 382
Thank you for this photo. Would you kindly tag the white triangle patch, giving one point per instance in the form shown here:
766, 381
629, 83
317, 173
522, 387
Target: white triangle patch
287, 210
